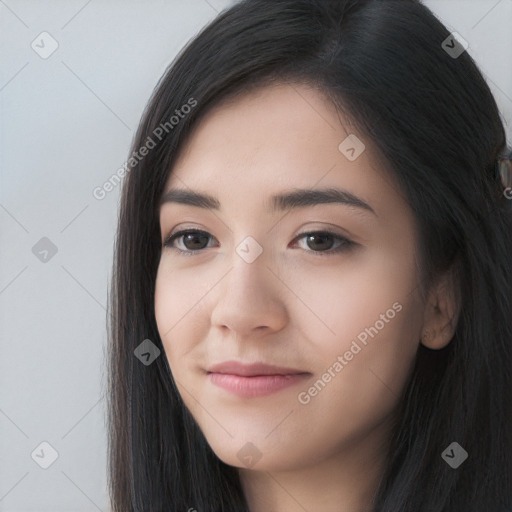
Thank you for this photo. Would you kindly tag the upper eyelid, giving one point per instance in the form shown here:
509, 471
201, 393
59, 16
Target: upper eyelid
183, 231
333, 229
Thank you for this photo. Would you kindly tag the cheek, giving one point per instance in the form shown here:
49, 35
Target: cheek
366, 342
338, 302
180, 312
363, 374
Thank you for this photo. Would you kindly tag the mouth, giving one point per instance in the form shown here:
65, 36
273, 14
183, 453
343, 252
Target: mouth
252, 369
253, 380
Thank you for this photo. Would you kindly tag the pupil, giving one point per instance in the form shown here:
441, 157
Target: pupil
322, 238
192, 236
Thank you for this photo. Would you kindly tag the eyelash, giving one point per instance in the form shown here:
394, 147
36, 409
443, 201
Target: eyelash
345, 246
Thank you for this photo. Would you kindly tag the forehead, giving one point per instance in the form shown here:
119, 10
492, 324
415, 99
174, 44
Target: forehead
276, 138
271, 120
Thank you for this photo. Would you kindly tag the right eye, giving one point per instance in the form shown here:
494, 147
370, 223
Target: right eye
189, 236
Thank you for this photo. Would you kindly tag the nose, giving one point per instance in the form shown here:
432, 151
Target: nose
249, 300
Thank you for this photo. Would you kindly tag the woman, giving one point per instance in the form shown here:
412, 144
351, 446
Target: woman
254, 370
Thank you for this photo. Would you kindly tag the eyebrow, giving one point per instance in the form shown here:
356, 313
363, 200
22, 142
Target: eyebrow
296, 198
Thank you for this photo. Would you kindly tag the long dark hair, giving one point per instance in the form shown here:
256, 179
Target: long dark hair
433, 117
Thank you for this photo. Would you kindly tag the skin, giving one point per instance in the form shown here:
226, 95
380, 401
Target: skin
292, 306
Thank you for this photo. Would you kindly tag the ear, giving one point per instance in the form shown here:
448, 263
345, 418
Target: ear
441, 314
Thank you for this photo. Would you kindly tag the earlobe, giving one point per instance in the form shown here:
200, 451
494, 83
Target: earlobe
441, 313
435, 340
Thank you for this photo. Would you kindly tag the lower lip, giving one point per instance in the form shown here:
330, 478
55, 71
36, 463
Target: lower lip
260, 385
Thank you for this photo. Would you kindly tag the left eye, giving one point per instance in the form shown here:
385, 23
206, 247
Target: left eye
324, 240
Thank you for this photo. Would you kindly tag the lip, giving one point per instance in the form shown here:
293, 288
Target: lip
253, 380
252, 369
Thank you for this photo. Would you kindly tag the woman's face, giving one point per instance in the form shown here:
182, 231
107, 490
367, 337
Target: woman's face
342, 310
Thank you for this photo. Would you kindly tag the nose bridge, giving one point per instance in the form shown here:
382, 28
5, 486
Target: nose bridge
249, 297
249, 269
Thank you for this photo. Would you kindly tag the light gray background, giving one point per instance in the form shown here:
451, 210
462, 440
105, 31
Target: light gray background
66, 125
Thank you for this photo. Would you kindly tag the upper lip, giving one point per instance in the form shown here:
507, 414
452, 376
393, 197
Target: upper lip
251, 370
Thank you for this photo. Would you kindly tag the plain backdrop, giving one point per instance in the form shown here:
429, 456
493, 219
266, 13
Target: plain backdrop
67, 121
